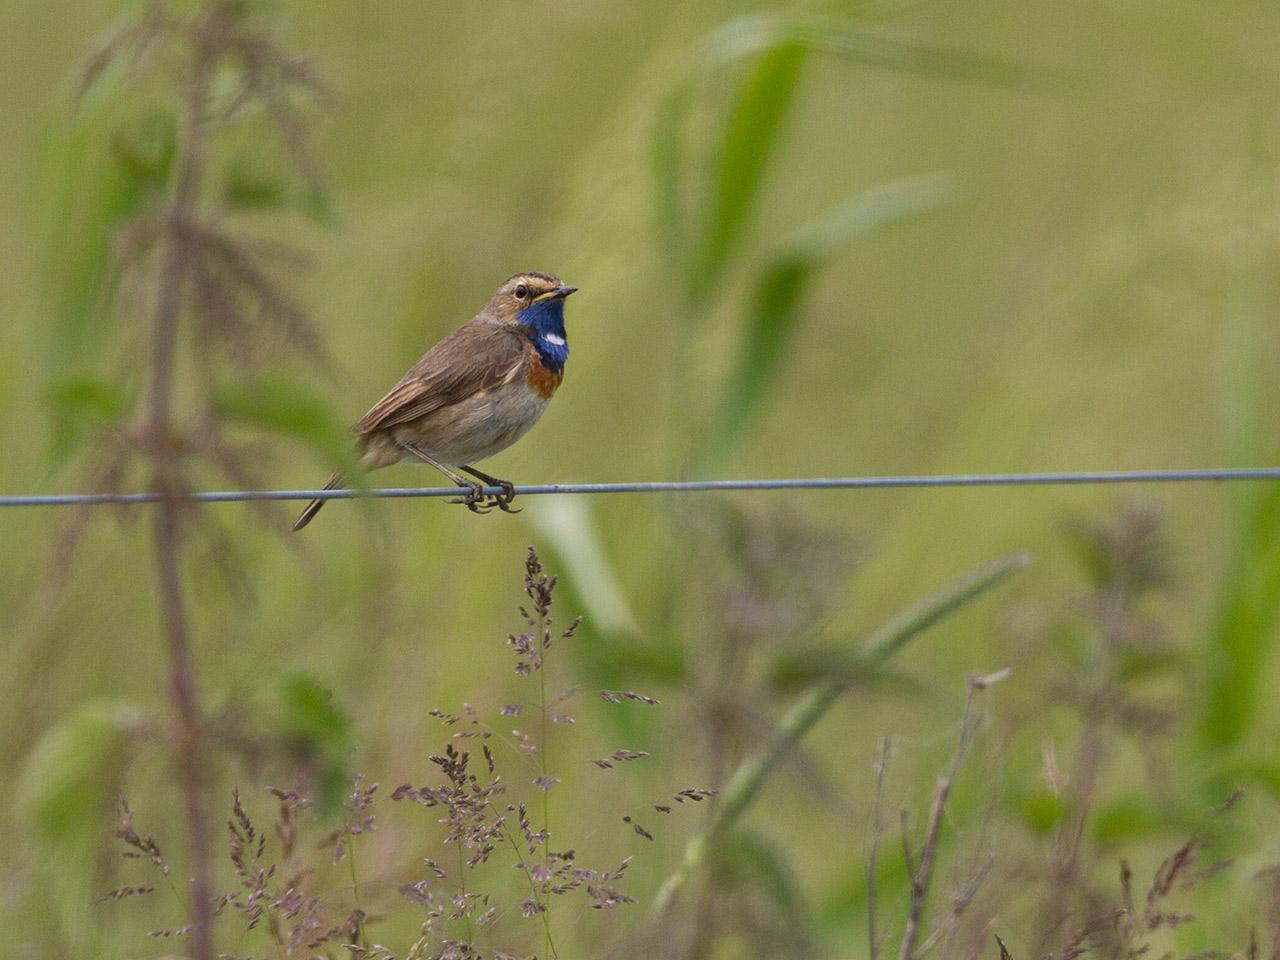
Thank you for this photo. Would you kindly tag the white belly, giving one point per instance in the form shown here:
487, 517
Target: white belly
478, 427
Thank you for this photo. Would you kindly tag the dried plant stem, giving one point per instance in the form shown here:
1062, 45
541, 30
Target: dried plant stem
355, 884
533, 888
189, 732
462, 888
543, 747
189, 738
745, 784
877, 832
922, 874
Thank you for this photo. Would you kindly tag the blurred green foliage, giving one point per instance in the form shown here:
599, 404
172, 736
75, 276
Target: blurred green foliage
1244, 625
317, 732
1081, 274
116, 164
67, 790
290, 409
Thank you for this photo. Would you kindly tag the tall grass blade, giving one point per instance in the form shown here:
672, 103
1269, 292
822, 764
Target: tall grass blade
775, 306
1247, 612
750, 134
846, 38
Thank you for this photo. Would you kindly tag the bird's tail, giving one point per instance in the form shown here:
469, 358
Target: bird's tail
314, 506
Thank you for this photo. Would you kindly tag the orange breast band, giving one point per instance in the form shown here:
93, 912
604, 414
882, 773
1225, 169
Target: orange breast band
542, 381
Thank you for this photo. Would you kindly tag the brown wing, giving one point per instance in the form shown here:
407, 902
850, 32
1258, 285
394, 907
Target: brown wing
475, 357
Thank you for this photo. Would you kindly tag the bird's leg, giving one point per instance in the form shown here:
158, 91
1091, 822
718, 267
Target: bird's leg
502, 500
474, 498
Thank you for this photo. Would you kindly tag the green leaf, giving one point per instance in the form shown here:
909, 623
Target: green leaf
1247, 771
145, 147
66, 792
1245, 625
1124, 819
83, 195
750, 134
309, 711
253, 183
286, 407
775, 306
1246, 621
67, 779
1041, 810
78, 407
780, 45
249, 183
319, 732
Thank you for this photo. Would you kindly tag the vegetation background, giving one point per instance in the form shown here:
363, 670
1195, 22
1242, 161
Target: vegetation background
852, 238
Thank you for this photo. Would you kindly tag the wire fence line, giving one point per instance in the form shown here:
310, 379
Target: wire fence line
1061, 478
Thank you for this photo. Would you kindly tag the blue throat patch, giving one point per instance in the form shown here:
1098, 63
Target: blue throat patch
545, 322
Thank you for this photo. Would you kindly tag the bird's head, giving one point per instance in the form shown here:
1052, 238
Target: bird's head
533, 299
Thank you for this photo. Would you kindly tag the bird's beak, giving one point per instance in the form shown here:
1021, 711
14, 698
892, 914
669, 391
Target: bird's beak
559, 293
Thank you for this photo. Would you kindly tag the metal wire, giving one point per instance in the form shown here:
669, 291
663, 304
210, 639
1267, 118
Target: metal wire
1214, 475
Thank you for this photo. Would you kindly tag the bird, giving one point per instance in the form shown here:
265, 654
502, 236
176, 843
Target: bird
474, 393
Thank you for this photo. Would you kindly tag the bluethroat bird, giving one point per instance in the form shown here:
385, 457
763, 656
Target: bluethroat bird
476, 392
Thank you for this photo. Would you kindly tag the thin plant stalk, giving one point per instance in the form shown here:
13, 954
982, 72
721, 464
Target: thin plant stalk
183, 687
877, 833
922, 875
189, 731
547, 805
354, 872
546, 789
462, 888
533, 887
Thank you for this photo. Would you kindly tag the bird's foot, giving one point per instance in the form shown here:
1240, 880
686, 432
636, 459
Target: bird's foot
500, 500
503, 500
474, 498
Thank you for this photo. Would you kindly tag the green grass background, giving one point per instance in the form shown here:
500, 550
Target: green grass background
1101, 294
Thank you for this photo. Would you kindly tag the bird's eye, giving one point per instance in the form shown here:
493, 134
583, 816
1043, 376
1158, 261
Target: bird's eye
521, 291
